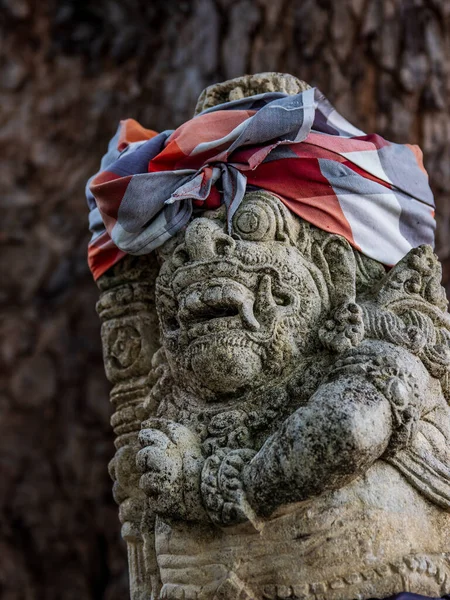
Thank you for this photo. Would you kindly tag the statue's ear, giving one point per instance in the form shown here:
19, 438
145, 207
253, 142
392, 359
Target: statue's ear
344, 328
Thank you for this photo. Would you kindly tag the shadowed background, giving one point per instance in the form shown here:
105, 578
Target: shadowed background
69, 71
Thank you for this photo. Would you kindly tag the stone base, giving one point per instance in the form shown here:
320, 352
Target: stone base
360, 542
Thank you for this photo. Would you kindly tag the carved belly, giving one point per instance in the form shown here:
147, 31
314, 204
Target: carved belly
376, 537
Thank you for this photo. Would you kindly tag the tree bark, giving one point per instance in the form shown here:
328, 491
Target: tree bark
70, 71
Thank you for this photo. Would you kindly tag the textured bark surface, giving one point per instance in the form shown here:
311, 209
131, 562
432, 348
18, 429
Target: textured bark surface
69, 71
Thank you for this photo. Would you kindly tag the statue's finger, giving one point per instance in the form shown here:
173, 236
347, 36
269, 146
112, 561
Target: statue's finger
228, 470
151, 459
153, 437
151, 484
234, 460
178, 434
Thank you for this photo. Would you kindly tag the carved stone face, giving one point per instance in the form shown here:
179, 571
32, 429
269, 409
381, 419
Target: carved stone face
237, 309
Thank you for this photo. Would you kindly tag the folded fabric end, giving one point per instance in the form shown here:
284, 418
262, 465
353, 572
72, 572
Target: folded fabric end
102, 255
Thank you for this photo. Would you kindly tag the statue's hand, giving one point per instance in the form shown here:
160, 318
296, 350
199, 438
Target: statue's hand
222, 486
171, 462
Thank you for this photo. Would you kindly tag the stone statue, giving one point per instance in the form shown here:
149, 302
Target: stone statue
281, 408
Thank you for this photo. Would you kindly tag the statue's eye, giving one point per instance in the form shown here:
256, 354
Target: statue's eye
254, 222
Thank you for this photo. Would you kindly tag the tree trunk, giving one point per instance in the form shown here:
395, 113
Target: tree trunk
70, 70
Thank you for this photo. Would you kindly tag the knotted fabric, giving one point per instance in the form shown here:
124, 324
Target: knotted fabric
372, 192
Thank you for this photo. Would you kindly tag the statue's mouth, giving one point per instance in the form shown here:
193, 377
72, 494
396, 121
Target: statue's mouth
226, 298
217, 305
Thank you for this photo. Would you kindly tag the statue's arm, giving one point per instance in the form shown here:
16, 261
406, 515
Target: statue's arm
369, 404
345, 427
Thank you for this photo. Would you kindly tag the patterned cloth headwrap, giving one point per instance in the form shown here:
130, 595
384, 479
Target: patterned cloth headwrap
298, 147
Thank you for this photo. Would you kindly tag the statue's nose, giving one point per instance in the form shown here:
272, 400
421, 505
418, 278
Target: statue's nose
206, 240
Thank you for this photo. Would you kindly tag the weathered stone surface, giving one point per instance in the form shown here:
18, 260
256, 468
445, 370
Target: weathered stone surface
282, 418
244, 86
